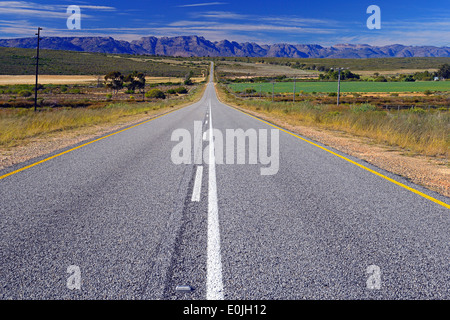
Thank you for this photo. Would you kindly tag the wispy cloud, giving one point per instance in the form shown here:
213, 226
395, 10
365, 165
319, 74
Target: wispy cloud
202, 4
222, 15
32, 9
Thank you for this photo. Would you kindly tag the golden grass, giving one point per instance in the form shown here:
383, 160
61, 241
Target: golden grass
17, 125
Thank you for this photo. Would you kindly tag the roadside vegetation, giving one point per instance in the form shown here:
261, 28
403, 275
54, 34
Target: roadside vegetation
18, 124
416, 130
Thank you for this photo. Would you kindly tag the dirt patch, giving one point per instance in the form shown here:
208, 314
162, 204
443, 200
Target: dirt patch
432, 173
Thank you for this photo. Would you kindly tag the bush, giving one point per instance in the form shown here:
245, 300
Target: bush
181, 90
75, 91
417, 110
25, 93
155, 94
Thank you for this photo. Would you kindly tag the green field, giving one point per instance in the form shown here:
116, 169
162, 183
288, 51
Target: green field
354, 86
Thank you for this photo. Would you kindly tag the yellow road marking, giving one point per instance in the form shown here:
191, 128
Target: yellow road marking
81, 146
353, 162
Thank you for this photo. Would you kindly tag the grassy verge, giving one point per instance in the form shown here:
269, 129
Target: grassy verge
19, 124
415, 130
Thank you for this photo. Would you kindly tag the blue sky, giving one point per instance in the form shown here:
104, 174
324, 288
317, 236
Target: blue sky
408, 22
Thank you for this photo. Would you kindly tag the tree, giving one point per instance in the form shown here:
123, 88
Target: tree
444, 71
136, 80
114, 81
187, 79
334, 75
409, 78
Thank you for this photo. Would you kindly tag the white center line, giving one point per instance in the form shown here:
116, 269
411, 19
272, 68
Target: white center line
214, 285
197, 184
204, 136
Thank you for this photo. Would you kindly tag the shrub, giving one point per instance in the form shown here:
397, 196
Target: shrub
155, 94
25, 93
417, 110
181, 90
75, 91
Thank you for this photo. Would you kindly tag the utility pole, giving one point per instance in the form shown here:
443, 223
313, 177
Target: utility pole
37, 68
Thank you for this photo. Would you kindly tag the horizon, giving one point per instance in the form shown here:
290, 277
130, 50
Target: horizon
231, 40
409, 23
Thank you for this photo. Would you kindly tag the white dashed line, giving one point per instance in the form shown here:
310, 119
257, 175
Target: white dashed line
197, 184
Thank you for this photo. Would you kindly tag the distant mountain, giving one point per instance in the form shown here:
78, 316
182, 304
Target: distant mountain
194, 46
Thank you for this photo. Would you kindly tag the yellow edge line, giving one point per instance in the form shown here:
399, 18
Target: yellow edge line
81, 146
353, 162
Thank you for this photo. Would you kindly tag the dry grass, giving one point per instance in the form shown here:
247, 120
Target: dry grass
419, 131
18, 124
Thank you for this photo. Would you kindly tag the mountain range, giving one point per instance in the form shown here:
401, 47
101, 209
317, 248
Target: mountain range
195, 46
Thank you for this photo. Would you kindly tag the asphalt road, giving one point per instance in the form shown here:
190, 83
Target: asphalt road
136, 225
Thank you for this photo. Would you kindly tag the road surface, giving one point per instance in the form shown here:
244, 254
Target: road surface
119, 219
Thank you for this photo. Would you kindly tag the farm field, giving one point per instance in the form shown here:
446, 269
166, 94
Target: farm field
360, 86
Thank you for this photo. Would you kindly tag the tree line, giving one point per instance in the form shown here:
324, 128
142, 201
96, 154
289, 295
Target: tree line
116, 81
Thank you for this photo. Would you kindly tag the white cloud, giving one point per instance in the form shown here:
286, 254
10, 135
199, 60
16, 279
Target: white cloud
32, 9
202, 4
